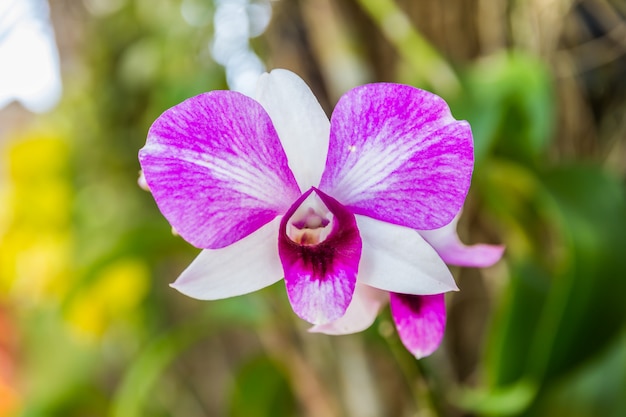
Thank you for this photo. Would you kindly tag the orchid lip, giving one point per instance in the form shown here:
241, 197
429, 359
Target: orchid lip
320, 248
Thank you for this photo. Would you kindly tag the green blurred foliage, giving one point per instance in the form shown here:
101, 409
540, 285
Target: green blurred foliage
86, 258
262, 390
510, 105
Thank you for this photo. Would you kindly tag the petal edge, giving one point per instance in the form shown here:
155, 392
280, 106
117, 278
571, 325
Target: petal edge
446, 242
300, 121
398, 259
361, 313
220, 273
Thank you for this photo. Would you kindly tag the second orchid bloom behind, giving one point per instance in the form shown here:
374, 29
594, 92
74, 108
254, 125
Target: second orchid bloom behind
352, 212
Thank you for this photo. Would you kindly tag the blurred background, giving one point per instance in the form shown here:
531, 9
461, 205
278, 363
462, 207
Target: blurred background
88, 323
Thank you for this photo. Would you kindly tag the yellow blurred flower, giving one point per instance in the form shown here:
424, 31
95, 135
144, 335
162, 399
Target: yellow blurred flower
113, 296
35, 222
37, 242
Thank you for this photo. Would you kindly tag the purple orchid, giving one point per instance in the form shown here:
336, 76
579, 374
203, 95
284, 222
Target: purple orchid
347, 211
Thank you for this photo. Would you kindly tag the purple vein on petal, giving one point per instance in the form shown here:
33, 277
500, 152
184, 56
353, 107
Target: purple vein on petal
320, 268
420, 321
216, 168
396, 154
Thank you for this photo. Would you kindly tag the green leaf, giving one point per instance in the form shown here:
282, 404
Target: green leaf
597, 389
509, 105
504, 401
516, 324
586, 309
565, 302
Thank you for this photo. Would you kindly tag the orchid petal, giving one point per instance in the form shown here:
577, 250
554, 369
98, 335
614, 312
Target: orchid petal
398, 259
216, 168
302, 125
396, 154
446, 242
361, 313
245, 266
320, 277
420, 321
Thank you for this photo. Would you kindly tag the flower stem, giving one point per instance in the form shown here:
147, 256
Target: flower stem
417, 377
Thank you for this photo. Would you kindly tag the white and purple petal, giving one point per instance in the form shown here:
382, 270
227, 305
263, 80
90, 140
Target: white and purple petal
302, 125
398, 259
245, 266
361, 313
320, 259
420, 321
396, 154
216, 168
446, 242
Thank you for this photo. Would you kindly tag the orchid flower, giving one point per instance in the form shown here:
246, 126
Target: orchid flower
270, 188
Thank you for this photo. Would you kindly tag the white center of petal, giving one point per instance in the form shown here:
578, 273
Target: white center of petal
311, 223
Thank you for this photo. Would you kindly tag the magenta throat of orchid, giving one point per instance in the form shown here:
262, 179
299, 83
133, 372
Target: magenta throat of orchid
311, 223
